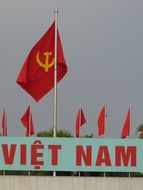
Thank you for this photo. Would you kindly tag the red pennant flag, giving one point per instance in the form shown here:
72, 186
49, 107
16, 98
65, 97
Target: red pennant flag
4, 123
101, 122
127, 125
80, 120
27, 122
37, 74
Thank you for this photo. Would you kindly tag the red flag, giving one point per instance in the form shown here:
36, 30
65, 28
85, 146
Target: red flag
27, 122
126, 127
37, 74
80, 120
4, 124
101, 122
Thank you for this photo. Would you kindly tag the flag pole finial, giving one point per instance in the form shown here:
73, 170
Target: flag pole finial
56, 10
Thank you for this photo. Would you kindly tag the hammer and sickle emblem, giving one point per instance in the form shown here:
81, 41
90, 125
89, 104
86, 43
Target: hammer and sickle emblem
45, 65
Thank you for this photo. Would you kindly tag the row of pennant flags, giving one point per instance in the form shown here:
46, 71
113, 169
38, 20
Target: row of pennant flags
101, 123
36, 77
28, 123
26, 120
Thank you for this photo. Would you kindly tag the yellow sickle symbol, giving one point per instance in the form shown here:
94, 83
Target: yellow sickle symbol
45, 65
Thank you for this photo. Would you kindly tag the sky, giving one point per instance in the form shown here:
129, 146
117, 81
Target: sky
103, 47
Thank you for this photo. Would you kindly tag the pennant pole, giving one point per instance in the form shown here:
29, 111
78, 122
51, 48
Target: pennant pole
29, 119
130, 130
4, 121
29, 124
79, 127
4, 129
105, 132
79, 119
55, 79
130, 122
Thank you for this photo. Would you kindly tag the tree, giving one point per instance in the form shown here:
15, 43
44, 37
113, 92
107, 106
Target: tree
140, 131
49, 133
89, 136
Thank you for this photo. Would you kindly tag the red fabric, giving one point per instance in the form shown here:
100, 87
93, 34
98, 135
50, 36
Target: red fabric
80, 120
4, 124
126, 128
101, 122
33, 78
27, 122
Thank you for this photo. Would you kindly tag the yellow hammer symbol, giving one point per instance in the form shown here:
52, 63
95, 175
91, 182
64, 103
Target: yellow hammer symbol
45, 65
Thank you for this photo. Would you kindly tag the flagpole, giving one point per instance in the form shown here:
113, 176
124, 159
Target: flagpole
105, 132
4, 130
4, 121
55, 76
130, 130
29, 124
55, 79
130, 122
79, 126
29, 119
80, 118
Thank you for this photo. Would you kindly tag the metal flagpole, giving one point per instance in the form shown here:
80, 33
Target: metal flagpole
55, 78
79, 117
4, 127
130, 131
55, 75
4, 121
29, 125
105, 132
29, 119
79, 127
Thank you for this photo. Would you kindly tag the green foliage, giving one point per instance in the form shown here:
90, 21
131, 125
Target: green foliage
139, 131
49, 133
89, 136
